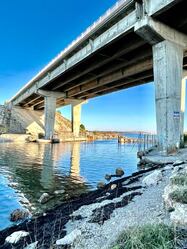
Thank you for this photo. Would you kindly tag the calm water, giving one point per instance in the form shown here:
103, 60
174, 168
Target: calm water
28, 170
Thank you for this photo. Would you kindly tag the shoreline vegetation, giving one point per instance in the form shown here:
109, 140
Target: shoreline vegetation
96, 211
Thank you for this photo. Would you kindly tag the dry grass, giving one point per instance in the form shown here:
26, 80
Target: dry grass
180, 179
179, 195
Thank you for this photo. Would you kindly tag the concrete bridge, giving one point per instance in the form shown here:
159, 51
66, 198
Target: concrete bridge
135, 42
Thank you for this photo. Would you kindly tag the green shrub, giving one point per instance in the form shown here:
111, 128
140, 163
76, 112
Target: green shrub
3, 129
185, 138
180, 179
157, 236
179, 195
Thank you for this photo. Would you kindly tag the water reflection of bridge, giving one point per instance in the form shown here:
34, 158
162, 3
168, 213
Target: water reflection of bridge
38, 168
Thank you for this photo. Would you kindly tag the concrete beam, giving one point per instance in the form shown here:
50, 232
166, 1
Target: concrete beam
118, 84
50, 93
138, 57
154, 32
154, 7
168, 63
132, 45
120, 74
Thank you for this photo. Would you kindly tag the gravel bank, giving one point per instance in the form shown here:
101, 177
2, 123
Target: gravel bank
144, 209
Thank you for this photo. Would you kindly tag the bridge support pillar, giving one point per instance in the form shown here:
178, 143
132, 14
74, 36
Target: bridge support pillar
76, 116
168, 64
50, 98
76, 119
50, 110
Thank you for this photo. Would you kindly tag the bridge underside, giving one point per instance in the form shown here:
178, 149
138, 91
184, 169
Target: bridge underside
123, 63
146, 41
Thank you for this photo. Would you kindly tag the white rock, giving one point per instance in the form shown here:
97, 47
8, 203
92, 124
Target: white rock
168, 167
24, 200
178, 162
70, 238
32, 246
16, 236
44, 198
179, 216
169, 203
153, 178
59, 192
113, 186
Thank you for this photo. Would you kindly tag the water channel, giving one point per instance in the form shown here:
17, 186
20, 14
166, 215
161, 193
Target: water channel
30, 169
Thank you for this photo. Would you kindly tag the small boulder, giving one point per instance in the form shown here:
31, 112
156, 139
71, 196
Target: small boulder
59, 192
142, 162
19, 214
32, 246
178, 162
100, 185
153, 178
168, 167
13, 184
45, 197
119, 172
168, 201
24, 201
176, 169
140, 154
69, 239
108, 177
179, 215
113, 186
16, 236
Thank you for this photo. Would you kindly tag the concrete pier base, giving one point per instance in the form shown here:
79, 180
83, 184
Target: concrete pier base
168, 64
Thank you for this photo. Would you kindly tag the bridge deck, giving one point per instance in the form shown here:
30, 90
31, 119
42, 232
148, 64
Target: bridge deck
107, 58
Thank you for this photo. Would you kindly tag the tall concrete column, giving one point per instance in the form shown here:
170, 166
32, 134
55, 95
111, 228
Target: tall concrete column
50, 110
50, 98
76, 119
168, 64
183, 101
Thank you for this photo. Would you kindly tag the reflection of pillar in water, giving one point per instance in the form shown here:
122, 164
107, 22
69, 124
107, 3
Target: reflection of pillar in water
47, 176
75, 163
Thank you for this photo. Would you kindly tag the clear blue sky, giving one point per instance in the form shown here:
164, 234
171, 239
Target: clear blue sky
33, 32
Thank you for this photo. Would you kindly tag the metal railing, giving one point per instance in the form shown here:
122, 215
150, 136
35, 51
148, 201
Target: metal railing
147, 141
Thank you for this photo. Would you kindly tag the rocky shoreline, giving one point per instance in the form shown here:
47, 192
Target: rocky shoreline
87, 222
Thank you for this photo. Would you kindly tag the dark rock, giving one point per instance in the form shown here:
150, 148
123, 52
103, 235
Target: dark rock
108, 177
19, 214
100, 215
140, 154
100, 185
119, 172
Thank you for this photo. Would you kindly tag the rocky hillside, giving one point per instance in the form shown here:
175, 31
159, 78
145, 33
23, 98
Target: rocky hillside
21, 121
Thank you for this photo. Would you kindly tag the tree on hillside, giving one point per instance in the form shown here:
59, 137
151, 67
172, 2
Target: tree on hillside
82, 127
59, 112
